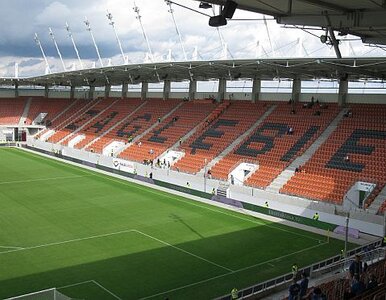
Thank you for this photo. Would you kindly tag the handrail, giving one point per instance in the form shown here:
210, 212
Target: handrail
311, 269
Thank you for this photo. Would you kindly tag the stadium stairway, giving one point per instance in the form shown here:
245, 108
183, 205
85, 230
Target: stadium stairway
286, 175
96, 140
100, 109
27, 106
138, 137
78, 109
55, 118
218, 111
231, 147
327, 176
377, 205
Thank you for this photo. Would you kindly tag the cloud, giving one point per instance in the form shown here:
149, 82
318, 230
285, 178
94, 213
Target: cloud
53, 14
19, 20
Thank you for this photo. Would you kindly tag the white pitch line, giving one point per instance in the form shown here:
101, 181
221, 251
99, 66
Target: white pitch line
67, 241
184, 251
90, 281
110, 292
74, 284
11, 247
43, 179
229, 273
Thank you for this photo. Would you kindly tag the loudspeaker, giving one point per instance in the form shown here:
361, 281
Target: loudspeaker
217, 21
229, 9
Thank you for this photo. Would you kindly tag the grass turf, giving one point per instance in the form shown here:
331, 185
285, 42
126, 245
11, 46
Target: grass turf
98, 237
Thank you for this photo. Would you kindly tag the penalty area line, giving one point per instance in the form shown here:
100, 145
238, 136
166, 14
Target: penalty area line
93, 282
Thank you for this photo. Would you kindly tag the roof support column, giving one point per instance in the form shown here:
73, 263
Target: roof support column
72, 92
107, 90
46, 91
144, 90
296, 89
167, 87
343, 90
16, 89
192, 89
256, 89
91, 92
125, 89
222, 87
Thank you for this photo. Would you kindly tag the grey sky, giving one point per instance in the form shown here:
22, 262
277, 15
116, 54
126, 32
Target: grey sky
20, 19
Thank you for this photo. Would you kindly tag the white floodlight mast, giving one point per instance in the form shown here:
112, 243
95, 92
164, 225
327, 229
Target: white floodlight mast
138, 17
224, 45
73, 43
57, 48
177, 29
112, 23
37, 41
88, 28
269, 36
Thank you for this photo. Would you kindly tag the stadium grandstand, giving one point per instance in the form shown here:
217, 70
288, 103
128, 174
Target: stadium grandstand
226, 178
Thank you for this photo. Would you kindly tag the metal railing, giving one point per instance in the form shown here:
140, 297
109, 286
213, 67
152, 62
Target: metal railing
329, 265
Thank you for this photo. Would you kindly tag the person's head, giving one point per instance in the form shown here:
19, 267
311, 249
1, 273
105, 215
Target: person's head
304, 275
317, 291
357, 258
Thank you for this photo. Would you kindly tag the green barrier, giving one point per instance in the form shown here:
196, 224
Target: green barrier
289, 217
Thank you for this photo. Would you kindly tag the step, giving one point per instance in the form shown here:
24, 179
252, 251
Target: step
287, 174
25, 111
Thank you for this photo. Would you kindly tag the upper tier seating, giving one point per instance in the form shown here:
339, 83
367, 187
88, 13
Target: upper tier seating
86, 111
271, 147
136, 124
117, 112
169, 131
217, 135
89, 115
43, 105
361, 138
11, 110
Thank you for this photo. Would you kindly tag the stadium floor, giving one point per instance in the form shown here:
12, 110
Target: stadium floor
97, 237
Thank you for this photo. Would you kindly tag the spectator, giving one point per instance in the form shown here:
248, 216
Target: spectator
347, 158
213, 191
234, 294
151, 175
139, 144
159, 119
290, 130
356, 267
294, 290
372, 283
303, 285
293, 112
317, 294
209, 174
357, 287
295, 270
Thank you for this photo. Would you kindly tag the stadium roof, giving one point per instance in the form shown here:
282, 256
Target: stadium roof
363, 18
266, 69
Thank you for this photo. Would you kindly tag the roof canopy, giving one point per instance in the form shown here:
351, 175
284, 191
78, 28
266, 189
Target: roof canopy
365, 19
265, 69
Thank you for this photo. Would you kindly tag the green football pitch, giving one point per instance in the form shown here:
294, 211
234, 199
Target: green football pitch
97, 237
